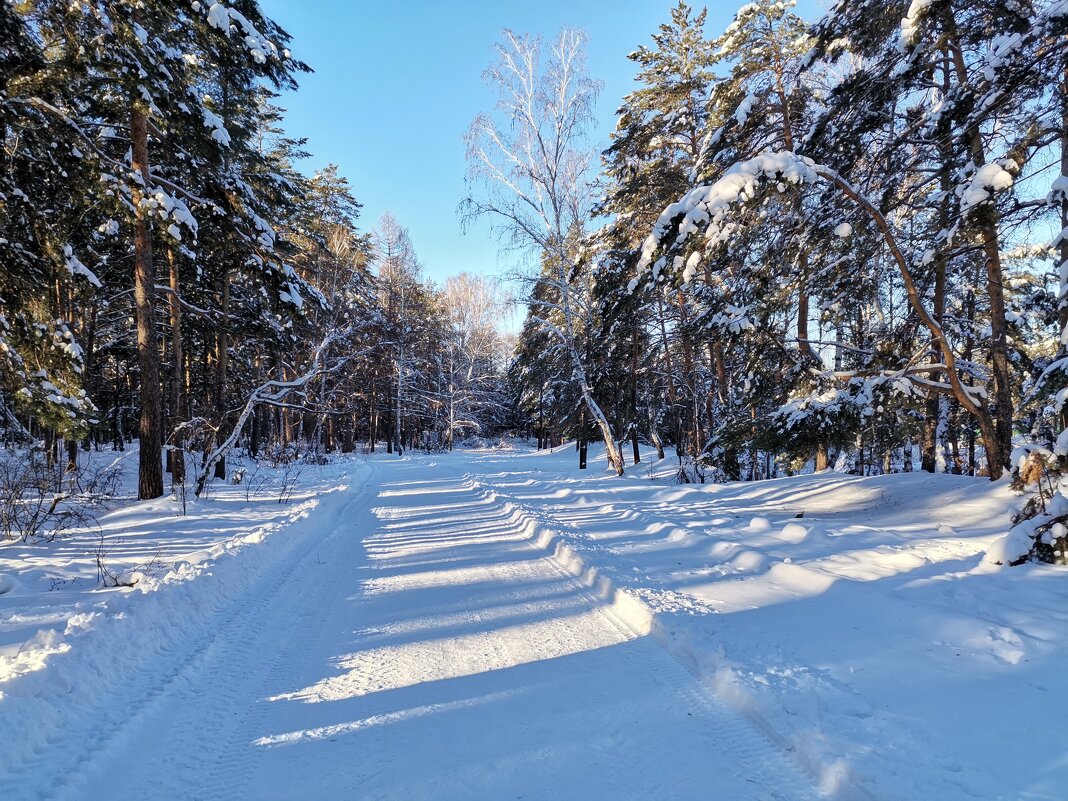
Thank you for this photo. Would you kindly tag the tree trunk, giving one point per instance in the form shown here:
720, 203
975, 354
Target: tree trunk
72, 455
398, 438
177, 383
1063, 299
932, 413
50, 447
582, 444
578, 369
822, 457
929, 458
150, 465
92, 436
754, 468
731, 462
634, 393
997, 437
998, 450
668, 369
541, 417
256, 433
222, 354
614, 457
654, 435
693, 433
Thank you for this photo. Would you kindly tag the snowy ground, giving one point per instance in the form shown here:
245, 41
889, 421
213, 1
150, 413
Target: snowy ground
494, 624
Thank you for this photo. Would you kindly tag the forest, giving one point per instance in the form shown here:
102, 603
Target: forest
834, 243
742, 472
170, 275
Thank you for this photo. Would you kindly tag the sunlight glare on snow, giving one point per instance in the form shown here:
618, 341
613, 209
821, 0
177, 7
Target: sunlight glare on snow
395, 666
329, 732
786, 582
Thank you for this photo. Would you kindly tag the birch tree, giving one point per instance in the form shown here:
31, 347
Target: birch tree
530, 175
471, 360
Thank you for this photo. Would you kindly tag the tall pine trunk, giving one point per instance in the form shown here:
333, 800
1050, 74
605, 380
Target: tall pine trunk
222, 353
995, 427
615, 459
634, 393
177, 383
1063, 255
398, 417
150, 466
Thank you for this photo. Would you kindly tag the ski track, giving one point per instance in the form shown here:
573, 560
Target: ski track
425, 646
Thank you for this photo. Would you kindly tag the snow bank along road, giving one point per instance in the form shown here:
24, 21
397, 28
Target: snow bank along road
423, 640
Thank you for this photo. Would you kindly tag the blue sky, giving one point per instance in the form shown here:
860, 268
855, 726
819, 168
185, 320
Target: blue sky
397, 84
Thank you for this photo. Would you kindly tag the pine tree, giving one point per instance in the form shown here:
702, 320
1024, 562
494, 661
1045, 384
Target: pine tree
652, 160
45, 243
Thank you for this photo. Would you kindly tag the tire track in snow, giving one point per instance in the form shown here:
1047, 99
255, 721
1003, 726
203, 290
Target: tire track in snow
228, 777
92, 755
536, 685
732, 736
734, 733
217, 764
749, 736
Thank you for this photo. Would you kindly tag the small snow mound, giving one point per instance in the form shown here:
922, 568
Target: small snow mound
793, 532
144, 582
81, 622
946, 530
723, 550
759, 524
7, 584
748, 562
180, 571
1008, 549
1005, 645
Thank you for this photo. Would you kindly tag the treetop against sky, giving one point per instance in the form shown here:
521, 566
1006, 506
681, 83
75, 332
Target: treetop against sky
396, 86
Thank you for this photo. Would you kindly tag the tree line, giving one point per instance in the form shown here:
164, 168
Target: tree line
168, 273
808, 244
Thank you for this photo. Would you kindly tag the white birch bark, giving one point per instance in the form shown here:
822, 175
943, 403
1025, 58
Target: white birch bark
531, 162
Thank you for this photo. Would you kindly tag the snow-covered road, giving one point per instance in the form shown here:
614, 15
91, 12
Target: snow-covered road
424, 643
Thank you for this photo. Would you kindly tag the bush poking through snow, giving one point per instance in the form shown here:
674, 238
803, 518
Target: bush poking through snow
38, 502
291, 473
693, 469
254, 480
1040, 530
142, 574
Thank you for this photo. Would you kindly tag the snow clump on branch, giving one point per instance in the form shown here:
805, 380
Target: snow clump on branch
710, 203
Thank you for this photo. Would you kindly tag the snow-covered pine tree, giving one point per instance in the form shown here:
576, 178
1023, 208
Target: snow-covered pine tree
242, 56
44, 243
1030, 66
652, 160
145, 123
954, 206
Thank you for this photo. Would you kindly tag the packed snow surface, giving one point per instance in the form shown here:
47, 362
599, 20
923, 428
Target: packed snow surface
496, 624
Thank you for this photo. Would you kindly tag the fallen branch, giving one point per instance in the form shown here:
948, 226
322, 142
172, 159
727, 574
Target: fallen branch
273, 393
